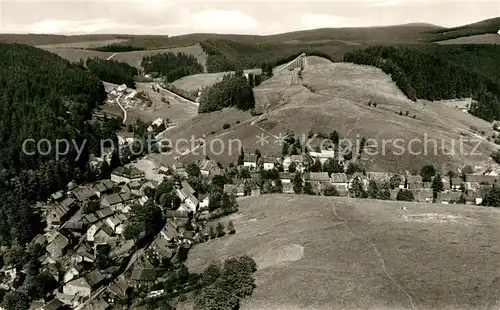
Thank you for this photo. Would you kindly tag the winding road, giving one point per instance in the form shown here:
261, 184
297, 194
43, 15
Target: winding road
121, 107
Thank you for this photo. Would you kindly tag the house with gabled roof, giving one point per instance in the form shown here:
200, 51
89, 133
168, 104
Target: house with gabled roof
85, 285
209, 167
83, 194
448, 197
316, 177
186, 194
57, 196
57, 247
268, 163
169, 232
59, 214
378, 177
250, 161
288, 188
414, 182
286, 177
456, 183
340, 181
126, 174
236, 190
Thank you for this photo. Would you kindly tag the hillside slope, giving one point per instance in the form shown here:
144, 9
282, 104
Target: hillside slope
338, 253
336, 98
491, 25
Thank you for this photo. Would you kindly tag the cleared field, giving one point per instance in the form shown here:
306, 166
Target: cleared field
488, 38
87, 44
338, 253
177, 112
198, 81
75, 54
135, 58
336, 98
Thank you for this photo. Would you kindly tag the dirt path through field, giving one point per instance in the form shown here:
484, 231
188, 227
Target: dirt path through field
377, 253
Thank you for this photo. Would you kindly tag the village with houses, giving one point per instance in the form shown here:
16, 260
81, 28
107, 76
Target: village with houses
97, 266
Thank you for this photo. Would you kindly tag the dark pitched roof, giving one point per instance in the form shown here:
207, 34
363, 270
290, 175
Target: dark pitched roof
83, 193
146, 274
54, 304
339, 178
113, 199
317, 176
94, 278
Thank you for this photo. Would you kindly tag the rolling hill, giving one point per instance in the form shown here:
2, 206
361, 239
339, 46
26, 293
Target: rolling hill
339, 253
491, 26
335, 96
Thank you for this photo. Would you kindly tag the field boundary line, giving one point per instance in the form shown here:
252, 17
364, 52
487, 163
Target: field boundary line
381, 259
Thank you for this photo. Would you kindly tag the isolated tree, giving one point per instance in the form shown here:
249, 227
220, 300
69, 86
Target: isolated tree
492, 197
427, 172
210, 275
297, 183
357, 189
241, 158
405, 195
330, 191
308, 190
395, 180
230, 228
292, 168
334, 137
373, 191
220, 229
352, 168
437, 185
316, 167
332, 166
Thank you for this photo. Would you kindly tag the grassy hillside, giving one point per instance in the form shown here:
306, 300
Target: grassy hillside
488, 38
339, 253
336, 98
486, 26
436, 72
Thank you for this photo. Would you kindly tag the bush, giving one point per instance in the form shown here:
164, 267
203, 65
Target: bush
226, 126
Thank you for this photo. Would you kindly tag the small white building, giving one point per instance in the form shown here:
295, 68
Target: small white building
268, 163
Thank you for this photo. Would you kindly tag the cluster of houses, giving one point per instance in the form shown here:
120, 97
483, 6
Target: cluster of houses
82, 221
471, 188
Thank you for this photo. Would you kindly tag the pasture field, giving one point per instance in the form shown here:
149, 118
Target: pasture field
325, 253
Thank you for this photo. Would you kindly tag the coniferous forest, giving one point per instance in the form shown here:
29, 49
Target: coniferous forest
117, 48
112, 71
42, 96
436, 72
232, 91
172, 66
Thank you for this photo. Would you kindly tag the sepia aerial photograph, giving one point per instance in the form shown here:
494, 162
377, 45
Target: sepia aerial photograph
250, 155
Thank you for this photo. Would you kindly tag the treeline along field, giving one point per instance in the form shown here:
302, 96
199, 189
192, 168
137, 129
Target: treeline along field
112, 71
226, 55
172, 66
435, 72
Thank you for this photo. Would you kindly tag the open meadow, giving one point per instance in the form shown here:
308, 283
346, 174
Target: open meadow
341, 253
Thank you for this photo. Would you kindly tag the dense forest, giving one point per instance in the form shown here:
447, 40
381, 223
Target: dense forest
436, 72
172, 66
232, 91
112, 71
42, 96
225, 55
117, 48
